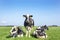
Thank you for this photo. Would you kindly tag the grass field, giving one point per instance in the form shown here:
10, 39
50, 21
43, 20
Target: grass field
53, 34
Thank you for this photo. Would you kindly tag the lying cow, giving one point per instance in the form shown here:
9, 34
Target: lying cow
40, 32
16, 31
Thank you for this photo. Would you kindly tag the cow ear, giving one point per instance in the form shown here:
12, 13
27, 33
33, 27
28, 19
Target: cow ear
24, 15
31, 15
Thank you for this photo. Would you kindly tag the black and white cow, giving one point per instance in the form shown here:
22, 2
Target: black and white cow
40, 32
28, 23
15, 31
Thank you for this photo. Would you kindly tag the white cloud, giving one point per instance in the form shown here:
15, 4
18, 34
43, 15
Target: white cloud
3, 21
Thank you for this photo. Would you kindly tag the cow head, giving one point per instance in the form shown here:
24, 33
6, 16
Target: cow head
27, 17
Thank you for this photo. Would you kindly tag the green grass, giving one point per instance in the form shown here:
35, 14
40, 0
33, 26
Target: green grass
53, 34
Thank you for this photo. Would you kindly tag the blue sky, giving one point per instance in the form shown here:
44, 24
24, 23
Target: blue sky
43, 11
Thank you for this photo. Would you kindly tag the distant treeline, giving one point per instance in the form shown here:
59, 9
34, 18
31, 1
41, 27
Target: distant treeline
7, 26
22, 26
53, 26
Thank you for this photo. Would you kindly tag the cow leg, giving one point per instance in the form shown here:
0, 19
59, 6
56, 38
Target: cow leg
29, 32
26, 33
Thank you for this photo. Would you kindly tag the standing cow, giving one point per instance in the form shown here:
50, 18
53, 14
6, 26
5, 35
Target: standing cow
28, 23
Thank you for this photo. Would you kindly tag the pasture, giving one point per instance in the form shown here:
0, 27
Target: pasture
53, 34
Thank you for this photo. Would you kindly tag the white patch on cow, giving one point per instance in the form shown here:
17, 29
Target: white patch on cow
20, 35
27, 15
43, 36
39, 28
